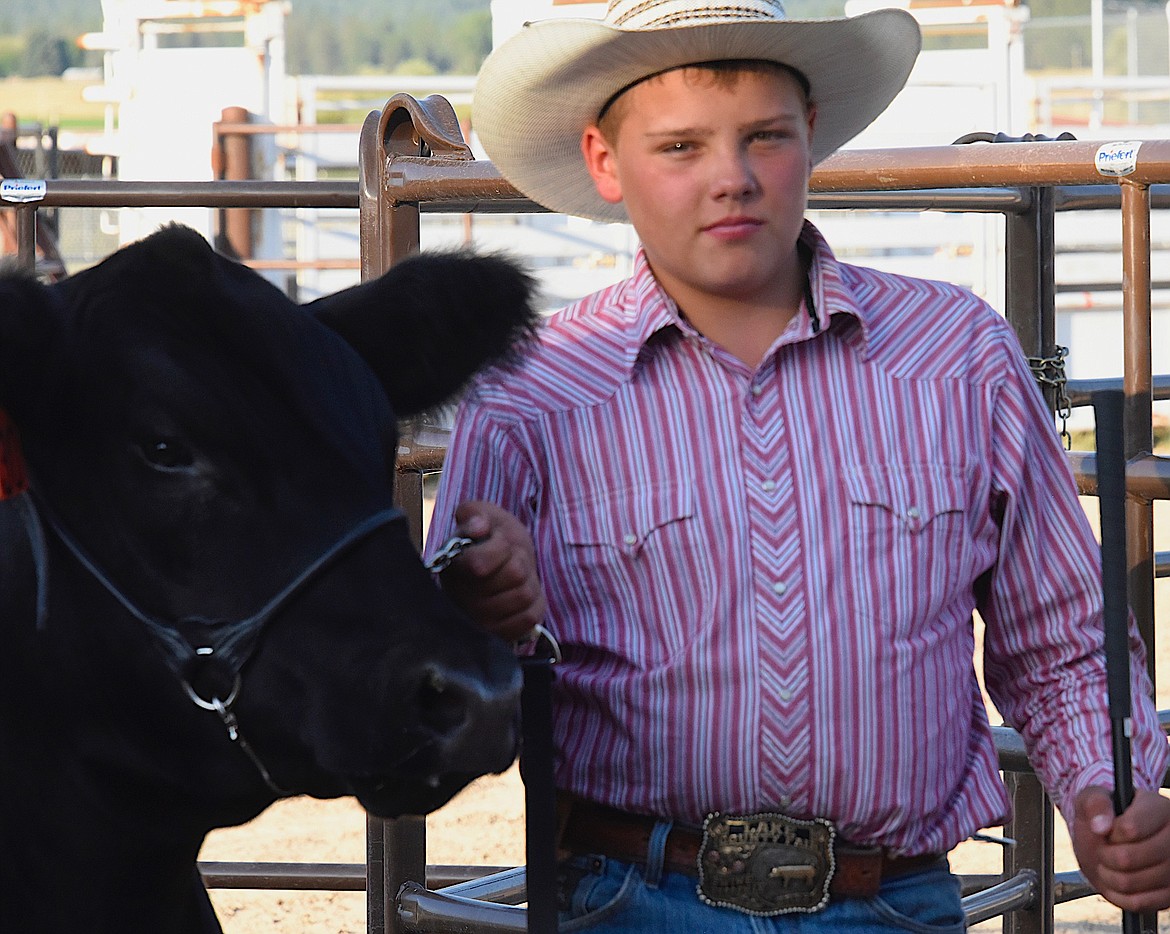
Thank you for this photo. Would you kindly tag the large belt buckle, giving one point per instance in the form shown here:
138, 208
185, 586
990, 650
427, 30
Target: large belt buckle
766, 864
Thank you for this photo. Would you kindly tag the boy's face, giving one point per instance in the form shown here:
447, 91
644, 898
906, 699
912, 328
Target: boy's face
713, 170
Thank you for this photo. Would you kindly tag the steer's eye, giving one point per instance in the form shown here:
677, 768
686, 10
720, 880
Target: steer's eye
165, 453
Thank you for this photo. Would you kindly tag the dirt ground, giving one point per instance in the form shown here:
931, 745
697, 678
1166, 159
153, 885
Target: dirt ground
484, 825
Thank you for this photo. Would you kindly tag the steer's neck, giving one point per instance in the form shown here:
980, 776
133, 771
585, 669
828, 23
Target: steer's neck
100, 823
69, 862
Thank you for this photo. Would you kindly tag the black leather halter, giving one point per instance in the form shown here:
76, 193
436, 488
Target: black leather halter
211, 671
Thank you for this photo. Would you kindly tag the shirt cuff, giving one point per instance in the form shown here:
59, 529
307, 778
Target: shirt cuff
1099, 774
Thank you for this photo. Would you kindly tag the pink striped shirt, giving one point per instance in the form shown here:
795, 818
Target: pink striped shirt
763, 581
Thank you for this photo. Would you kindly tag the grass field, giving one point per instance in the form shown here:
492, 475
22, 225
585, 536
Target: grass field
50, 102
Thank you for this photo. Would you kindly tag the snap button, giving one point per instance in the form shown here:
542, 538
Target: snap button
630, 538
780, 587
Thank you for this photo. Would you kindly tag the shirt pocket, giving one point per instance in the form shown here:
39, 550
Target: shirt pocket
633, 585
909, 542
622, 523
912, 496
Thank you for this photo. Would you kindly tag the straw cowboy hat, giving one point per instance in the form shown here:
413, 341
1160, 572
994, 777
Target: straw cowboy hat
538, 91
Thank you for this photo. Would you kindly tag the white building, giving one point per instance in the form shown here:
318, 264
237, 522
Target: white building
162, 98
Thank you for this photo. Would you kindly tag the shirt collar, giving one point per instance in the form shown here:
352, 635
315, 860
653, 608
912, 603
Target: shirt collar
833, 299
650, 311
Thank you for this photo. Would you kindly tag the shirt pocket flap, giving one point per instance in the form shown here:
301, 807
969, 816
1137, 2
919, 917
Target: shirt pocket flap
626, 518
915, 494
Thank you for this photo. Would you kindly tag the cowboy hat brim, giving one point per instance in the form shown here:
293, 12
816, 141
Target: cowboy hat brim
538, 91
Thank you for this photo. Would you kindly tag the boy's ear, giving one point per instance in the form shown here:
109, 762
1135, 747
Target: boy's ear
599, 160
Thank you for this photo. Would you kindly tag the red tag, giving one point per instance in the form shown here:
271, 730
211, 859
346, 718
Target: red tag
13, 476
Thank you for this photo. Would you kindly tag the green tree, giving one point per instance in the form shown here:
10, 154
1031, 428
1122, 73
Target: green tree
471, 41
45, 54
11, 51
315, 50
413, 67
453, 36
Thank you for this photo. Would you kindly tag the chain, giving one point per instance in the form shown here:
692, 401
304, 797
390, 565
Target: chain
451, 550
1049, 371
538, 644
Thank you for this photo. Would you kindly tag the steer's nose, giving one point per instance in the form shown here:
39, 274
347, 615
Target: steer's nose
472, 716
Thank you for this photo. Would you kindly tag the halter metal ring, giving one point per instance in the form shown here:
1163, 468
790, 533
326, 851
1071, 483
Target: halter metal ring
215, 703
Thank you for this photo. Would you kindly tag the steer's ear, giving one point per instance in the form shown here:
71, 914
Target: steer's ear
429, 323
27, 323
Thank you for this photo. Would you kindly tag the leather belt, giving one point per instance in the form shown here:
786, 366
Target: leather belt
590, 828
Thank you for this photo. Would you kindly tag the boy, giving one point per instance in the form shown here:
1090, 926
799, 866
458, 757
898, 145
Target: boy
757, 495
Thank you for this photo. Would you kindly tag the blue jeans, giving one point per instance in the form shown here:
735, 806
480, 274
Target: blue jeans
602, 895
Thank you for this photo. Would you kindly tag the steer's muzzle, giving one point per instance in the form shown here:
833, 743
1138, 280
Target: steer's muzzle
463, 722
471, 722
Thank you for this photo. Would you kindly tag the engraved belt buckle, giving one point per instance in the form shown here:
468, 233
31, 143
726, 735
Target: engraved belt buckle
766, 864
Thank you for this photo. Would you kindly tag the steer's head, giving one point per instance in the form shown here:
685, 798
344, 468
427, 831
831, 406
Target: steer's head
213, 450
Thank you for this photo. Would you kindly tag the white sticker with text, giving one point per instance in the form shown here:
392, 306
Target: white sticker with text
22, 190
1117, 159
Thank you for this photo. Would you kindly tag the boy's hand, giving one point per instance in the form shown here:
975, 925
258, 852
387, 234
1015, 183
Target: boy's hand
1125, 857
495, 581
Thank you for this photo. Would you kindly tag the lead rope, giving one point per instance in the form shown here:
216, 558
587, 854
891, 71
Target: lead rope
1109, 416
540, 797
536, 762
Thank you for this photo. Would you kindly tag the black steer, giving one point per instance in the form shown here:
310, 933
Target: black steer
207, 597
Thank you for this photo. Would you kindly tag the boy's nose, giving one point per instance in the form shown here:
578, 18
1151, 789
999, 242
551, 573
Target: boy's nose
734, 178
